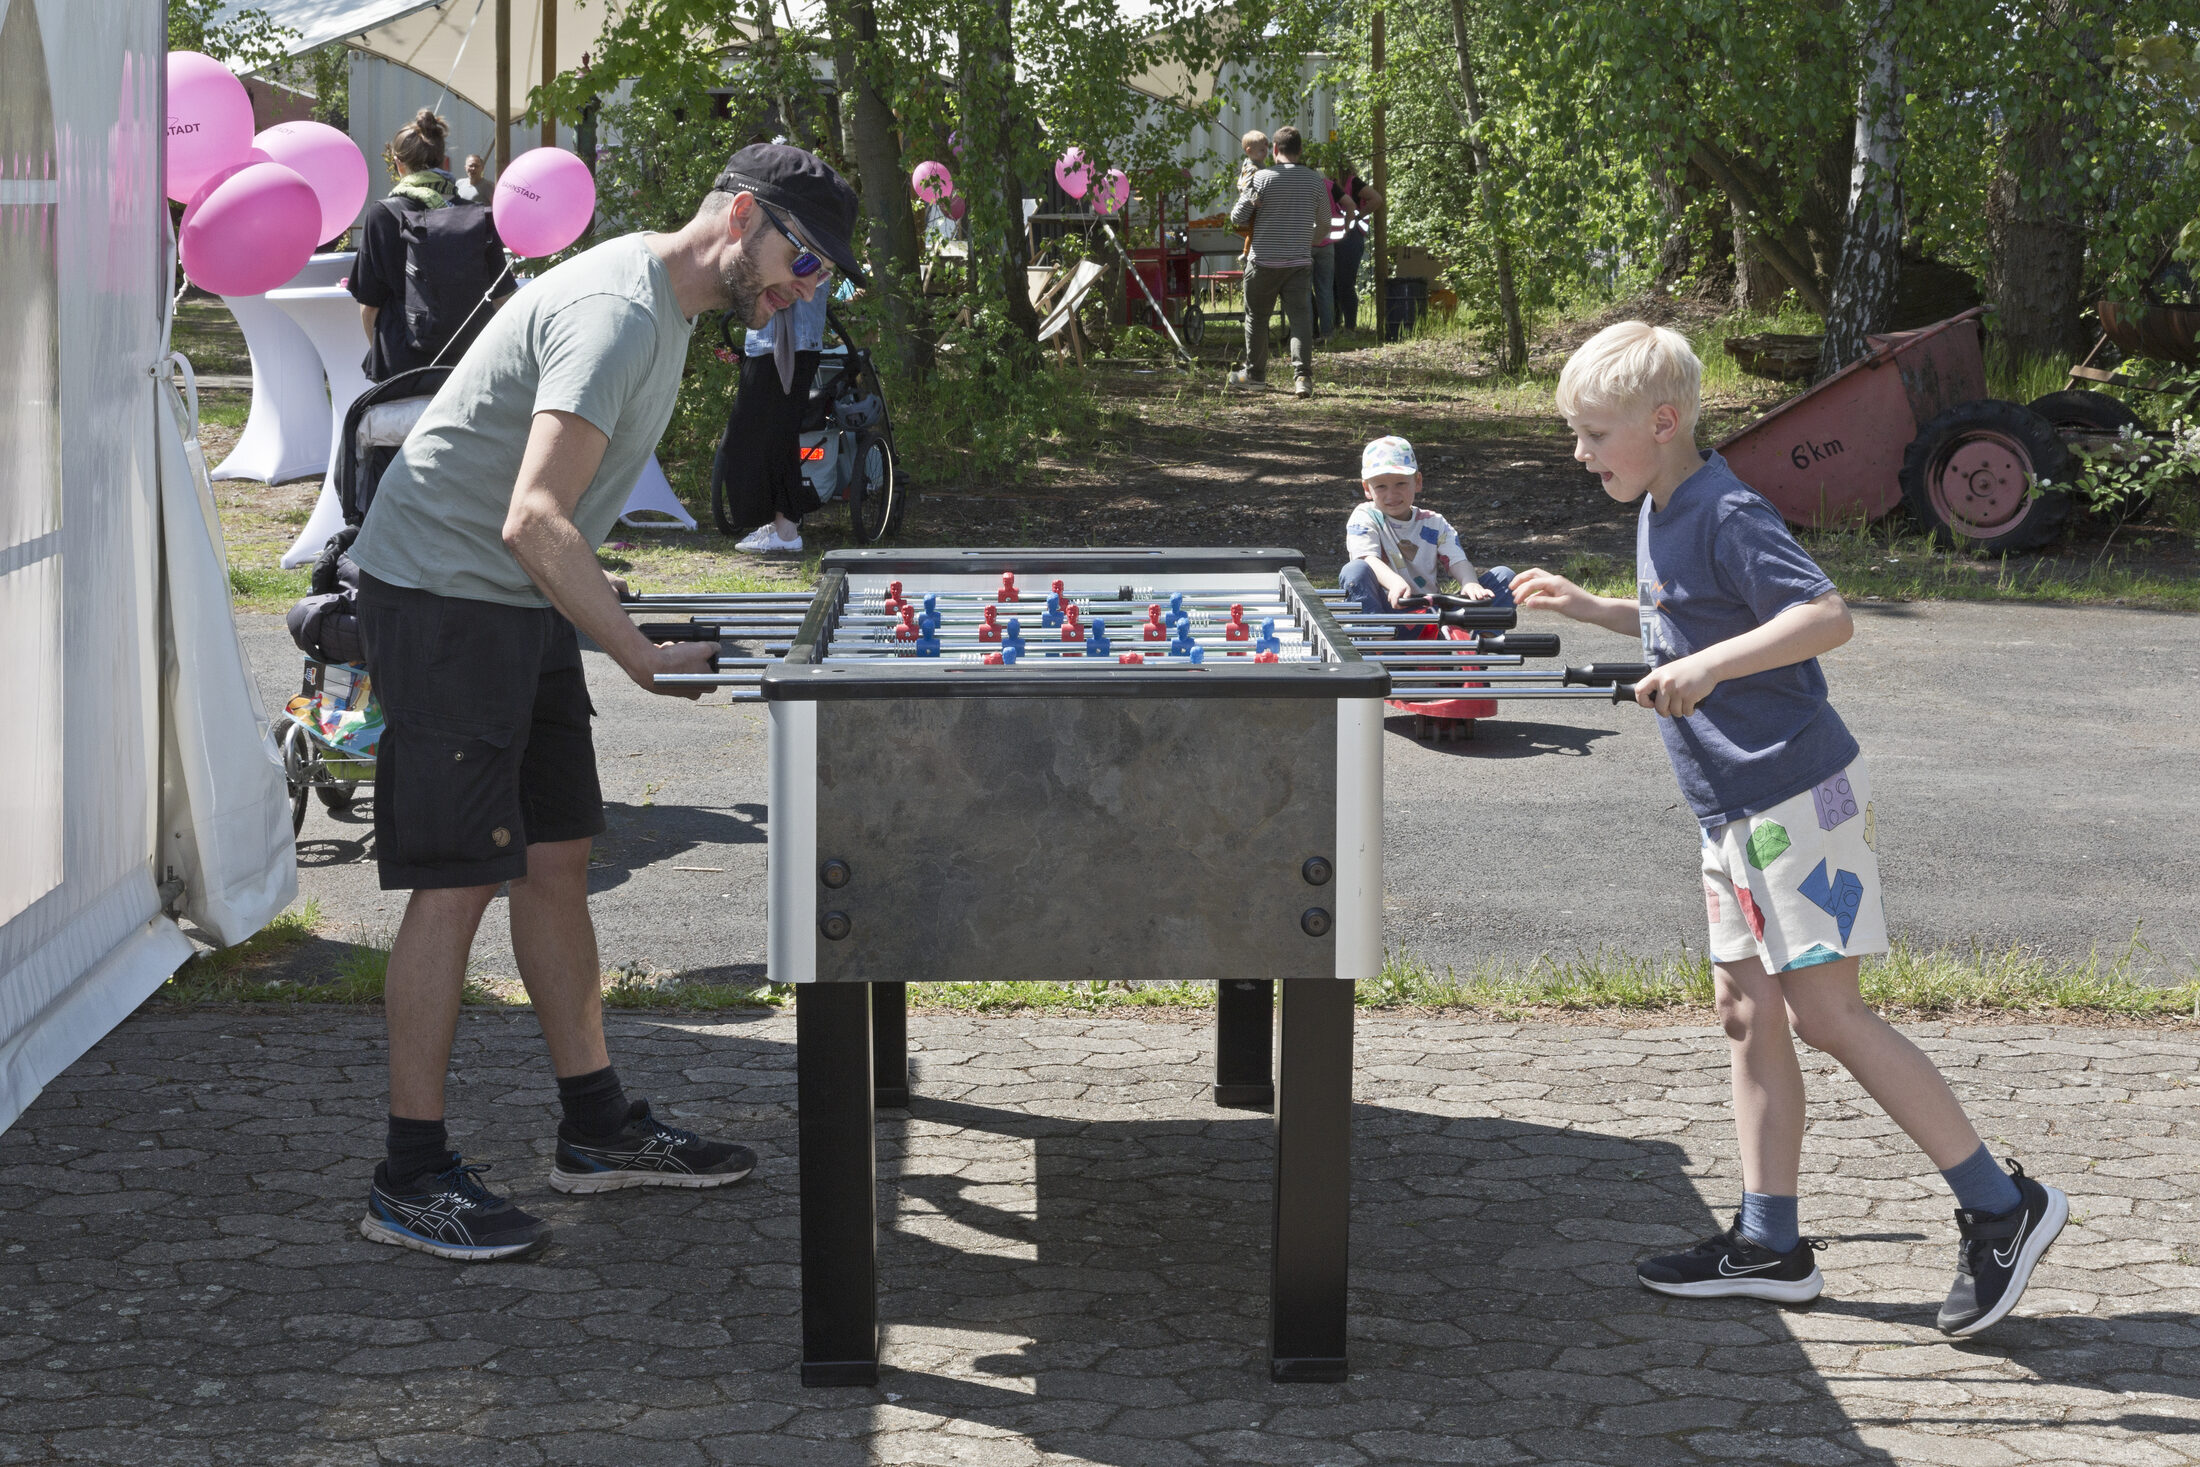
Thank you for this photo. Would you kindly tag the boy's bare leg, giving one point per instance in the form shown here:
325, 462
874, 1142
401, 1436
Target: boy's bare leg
420, 993
1832, 1016
554, 940
1768, 1082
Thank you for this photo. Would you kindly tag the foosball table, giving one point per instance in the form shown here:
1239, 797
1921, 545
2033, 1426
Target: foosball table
990, 764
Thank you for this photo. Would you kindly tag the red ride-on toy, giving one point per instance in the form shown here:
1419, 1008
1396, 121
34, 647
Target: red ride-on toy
1488, 628
1445, 718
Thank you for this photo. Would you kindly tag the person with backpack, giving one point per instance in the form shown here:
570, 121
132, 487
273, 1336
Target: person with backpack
428, 267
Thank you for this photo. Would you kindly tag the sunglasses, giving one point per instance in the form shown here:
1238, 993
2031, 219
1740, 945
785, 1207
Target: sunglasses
807, 262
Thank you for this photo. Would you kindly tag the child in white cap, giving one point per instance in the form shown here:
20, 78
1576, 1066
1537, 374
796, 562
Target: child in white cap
1396, 550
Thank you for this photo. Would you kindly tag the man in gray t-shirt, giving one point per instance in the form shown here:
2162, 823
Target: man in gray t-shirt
1288, 207
478, 562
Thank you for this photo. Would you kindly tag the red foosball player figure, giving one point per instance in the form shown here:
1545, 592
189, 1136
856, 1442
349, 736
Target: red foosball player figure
1154, 630
1235, 630
994, 659
907, 631
1056, 588
1265, 657
989, 630
1132, 659
1008, 591
894, 603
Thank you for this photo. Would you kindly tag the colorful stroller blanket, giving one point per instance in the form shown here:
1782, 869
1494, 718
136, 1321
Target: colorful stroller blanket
343, 717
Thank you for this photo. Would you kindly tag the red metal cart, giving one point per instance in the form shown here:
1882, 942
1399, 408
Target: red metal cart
1910, 422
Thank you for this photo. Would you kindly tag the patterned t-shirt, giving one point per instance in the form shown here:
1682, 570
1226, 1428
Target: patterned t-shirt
1421, 549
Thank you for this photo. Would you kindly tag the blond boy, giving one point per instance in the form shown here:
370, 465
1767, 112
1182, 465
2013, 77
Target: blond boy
1733, 615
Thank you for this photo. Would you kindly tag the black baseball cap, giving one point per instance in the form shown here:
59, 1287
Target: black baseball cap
804, 185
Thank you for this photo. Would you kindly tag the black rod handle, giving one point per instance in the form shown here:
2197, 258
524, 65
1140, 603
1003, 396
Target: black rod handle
1520, 644
1605, 674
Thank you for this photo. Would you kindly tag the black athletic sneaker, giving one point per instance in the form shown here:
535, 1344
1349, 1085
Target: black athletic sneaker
1994, 1260
1730, 1265
646, 1153
450, 1214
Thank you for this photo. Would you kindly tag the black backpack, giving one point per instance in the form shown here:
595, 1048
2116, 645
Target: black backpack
453, 260
325, 625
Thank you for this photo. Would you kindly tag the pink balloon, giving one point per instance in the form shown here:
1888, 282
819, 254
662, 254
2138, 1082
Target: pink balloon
1072, 173
326, 159
543, 202
1114, 192
216, 179
932, 182
209, 121
253, 231
957, 207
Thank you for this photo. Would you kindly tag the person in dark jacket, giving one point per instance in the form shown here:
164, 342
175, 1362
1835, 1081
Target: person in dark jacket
420, 167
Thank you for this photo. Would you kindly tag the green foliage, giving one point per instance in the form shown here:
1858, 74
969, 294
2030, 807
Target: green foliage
2145, 471
243, 40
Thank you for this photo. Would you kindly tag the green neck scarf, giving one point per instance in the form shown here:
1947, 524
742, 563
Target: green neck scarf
424, 188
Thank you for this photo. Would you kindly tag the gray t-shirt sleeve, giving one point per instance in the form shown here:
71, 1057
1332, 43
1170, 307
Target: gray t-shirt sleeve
595, 355
1779, 572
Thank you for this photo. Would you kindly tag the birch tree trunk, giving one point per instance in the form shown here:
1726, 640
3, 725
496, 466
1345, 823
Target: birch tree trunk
1863, 284
871, 138
1515, 353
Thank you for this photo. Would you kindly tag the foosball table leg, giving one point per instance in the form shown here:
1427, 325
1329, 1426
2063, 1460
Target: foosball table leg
1245, 1043
834, 1124
1313, 1183
890, 1045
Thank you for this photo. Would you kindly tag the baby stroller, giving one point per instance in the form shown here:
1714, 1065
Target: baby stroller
334, 725
847, 442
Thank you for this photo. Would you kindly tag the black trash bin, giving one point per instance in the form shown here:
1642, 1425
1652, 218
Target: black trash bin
1405, 301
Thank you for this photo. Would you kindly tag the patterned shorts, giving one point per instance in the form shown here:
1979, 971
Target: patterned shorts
1798, 884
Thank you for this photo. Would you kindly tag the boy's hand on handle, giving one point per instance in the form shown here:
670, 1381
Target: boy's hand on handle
1476, 591
1537, 589
1675, 689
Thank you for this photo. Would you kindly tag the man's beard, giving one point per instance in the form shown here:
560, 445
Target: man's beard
744, 284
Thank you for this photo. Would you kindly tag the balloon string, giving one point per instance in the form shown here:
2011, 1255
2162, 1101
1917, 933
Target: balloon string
487, 297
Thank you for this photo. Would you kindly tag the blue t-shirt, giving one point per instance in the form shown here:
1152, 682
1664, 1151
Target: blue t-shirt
1714, 563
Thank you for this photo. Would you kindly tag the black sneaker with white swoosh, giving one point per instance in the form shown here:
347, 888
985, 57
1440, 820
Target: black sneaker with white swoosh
1731, 1266
645, 1153
1994, 1260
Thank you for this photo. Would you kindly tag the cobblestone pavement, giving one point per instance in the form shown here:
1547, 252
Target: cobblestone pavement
1075, 1257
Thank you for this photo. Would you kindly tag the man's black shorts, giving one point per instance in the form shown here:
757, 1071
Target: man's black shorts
486, 749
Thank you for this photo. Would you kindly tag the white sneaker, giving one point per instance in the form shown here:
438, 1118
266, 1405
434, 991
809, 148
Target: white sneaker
765, 541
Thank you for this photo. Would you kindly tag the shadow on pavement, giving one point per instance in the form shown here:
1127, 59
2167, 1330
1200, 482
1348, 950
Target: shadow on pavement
645, 835
1506, 738
183, 1283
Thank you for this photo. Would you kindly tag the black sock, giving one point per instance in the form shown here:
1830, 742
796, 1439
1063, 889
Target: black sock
416, 1147
595, 1103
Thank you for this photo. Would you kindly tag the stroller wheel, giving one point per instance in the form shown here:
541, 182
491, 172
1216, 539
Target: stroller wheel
874, 493
297, 774
337, 796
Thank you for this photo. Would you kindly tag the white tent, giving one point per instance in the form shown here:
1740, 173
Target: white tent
133, 779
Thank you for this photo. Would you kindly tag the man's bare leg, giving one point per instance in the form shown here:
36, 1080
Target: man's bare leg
555, 941
420, 993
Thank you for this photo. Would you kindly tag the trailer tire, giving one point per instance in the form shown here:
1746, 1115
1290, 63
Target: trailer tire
1192, 326
2094, 411
1971, 477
